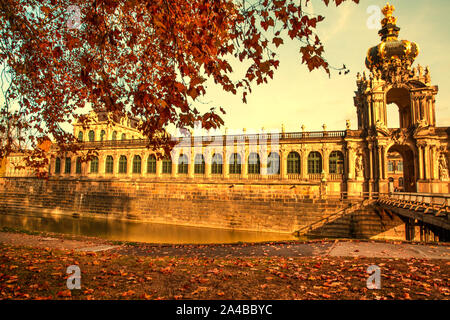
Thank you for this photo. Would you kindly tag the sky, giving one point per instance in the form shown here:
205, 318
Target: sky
297, 97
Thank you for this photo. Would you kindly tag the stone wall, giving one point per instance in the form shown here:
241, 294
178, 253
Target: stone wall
264, 206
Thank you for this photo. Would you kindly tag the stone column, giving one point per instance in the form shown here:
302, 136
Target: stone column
325, 161
244, 159
283, 163
225, 168
420, 162
101, 164
158, 168
435, 162
304, 164
191, 162
370, 148
350, 162
427, 162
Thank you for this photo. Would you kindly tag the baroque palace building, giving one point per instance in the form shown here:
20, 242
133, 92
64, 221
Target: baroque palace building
349, 161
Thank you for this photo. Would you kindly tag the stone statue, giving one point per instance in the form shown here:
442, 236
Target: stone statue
358, 166
443, 167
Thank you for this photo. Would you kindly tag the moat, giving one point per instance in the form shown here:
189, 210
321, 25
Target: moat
133, 231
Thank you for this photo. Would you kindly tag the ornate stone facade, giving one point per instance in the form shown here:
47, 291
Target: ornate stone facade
348, 161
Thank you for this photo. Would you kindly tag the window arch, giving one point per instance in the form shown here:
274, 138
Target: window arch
235, 163
183, 164
80, 136
102, 135
336, 162
124, 136
254, 164
67, 166
217, 164
58, 165
167, 165
78, 166
293, 163
199, 164
114, 135
151, 164
314, 162
91, 135
109, 164
137, 164
94, 165
273, 163
123, 164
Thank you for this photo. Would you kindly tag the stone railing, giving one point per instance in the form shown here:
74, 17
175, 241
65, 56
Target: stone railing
266, 137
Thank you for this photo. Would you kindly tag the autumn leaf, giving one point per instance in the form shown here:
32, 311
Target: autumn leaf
65, 293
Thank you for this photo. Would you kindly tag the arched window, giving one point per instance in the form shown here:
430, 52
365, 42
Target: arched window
109, 164
123, 164
137, 164
91, 135
199, 164
273, 163
314, 162
102, 135
78, 166
253, 163
114, 135
235, 164
400, 166
167, 165
58, 165
80, 136
94, 165
216, 166
390, 166
336, 162
293, 163
67, 166
183, 164
151, 164
124, 136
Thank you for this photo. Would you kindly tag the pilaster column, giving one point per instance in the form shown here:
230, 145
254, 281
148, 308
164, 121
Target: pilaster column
304, 164
350, 162
427, 163
226, 169
158, 168
101, 164
326, 162
420, 161
244, 159
191, 162
208, 160
283, 163
370, 148
435, 162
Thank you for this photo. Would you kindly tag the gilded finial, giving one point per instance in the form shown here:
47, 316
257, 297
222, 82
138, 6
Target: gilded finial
388, 10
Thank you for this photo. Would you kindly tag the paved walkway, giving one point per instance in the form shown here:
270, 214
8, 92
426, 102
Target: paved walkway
341, 248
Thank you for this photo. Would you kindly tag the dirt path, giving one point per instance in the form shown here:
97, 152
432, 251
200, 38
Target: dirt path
341, 248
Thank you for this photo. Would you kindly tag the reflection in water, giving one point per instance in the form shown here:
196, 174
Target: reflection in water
132, 230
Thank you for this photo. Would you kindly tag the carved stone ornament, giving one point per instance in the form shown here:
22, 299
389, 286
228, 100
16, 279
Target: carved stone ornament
358, 166
443, 167
399, 136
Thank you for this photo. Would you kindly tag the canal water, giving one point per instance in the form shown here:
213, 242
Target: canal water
133, 231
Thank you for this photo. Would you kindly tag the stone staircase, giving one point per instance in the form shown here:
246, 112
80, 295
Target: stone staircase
352, 207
